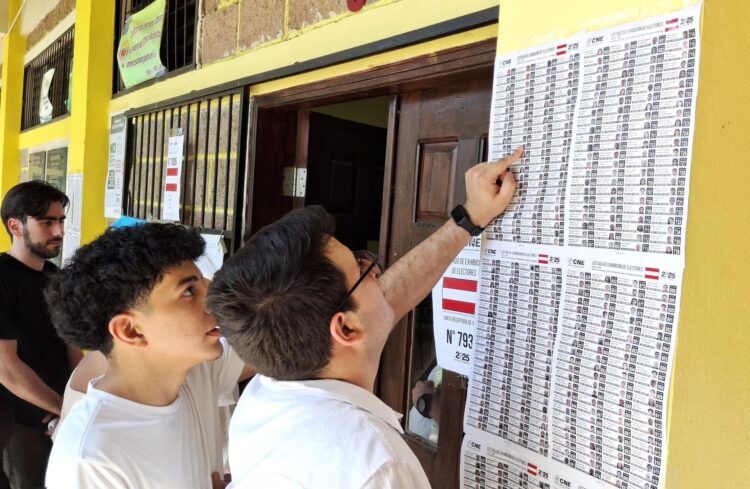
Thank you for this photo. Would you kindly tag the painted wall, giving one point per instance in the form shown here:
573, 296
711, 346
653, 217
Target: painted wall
376, 21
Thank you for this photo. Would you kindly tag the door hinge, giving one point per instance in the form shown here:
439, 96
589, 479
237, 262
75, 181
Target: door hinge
295, 182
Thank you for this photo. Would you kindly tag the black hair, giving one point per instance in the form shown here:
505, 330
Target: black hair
114, 273
275, 297
30, 199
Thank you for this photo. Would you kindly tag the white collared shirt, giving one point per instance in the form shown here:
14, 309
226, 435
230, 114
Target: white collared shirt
324, 434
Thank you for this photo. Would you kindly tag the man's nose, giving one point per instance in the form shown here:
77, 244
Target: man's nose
58, 230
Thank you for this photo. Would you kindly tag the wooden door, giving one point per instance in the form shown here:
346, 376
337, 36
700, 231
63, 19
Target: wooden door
277, 149
442, 131
345, 166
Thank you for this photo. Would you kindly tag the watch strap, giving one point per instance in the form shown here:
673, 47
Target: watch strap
462, 219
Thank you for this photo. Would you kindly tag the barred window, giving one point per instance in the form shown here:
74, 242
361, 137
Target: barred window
211, 181
49, 73
178, 36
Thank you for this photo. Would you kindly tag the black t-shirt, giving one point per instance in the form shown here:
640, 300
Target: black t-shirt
24, 318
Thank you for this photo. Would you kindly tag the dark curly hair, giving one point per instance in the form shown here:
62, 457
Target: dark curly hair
275, 297
112, 274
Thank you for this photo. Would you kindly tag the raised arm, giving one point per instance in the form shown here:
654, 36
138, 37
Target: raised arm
23, 382
489, 189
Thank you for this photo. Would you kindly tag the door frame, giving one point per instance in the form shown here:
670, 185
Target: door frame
446, 67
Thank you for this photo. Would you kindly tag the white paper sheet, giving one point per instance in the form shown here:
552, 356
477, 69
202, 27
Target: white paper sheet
115, 166
454, 302
581, 278
173, 179
212, 258
74, 190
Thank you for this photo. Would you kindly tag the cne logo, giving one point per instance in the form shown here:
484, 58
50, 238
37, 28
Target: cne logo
597, 39
564, 482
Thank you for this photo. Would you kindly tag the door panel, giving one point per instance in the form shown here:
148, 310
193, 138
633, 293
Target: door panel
436, 169
442, 132
278, 132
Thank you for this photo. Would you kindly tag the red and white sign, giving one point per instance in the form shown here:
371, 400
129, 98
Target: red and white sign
454, 307
562, 49
652, 273
170, 210
460, 295
671, 25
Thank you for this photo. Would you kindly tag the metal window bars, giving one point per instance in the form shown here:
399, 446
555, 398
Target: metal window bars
177, 40
213, 163
59, 55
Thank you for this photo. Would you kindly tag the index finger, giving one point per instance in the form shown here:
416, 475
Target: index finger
504, 163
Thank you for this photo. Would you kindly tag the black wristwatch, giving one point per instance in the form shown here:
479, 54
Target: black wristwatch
463, 220
424, 404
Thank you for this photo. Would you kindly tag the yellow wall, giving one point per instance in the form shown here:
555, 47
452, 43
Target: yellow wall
381, 20
14, 47
709, 419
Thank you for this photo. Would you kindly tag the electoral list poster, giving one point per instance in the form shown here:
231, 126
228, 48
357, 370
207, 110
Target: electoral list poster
580, 279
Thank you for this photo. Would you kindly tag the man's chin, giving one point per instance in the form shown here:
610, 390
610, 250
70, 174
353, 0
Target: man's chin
46, 252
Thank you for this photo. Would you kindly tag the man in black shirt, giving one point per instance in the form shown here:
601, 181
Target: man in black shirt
34, 363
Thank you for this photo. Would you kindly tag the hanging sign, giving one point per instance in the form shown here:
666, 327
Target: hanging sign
138, 52
454, 305
45, 105
171, 204
116, 167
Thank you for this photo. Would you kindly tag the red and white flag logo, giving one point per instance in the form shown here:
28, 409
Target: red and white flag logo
671, 25
459, 295
562, 49
543, 259
532, 469
652, 273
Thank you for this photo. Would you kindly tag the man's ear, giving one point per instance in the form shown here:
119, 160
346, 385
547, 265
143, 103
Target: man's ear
16, 227
122, 327
343, 330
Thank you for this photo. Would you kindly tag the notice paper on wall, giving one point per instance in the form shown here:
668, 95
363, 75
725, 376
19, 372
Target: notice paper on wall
454, 303
72, 240
580, 279
212, 258
173, 179
115, 166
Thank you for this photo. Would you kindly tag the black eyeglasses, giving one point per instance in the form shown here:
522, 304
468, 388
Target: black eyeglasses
368, 263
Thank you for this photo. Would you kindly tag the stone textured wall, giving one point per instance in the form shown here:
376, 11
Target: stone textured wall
230, 27
54, 17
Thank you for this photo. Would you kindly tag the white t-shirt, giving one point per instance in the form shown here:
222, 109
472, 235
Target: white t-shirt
109, 442
318, 434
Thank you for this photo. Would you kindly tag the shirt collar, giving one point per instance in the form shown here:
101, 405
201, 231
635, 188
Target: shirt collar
339, 390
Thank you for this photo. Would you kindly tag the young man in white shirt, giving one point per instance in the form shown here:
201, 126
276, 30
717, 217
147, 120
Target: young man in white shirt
312, 317
152, 421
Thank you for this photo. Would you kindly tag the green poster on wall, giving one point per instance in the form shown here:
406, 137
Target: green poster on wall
36, 165
57, 167
138, 52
